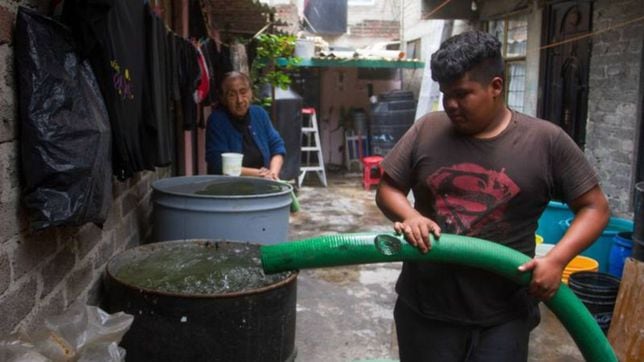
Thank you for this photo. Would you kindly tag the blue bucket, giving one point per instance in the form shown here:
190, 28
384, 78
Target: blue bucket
549, 221
621, 249
600, 249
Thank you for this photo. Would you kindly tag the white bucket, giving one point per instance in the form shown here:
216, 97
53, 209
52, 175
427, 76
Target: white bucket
304, 48
232, 163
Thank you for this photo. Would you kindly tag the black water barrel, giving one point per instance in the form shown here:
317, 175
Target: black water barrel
392, 116
176, 320
638, 218
598, 291
287, 120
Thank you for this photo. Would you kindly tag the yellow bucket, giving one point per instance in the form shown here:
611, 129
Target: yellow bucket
579, 263
538, 239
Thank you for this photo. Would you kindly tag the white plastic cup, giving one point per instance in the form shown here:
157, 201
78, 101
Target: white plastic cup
232, 163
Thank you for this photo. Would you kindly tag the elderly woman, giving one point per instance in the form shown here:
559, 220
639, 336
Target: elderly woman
241, 127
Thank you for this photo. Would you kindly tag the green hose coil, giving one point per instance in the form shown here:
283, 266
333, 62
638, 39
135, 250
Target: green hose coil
364, 248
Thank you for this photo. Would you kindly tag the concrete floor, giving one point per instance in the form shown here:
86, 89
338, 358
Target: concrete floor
344, 314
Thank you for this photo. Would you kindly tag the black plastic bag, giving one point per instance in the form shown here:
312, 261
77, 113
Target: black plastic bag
65, 133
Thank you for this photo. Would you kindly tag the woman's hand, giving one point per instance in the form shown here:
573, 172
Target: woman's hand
416, 231
268, 174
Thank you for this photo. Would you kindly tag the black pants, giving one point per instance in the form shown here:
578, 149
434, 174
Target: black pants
421, 339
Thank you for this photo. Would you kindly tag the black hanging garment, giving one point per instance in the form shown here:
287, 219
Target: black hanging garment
158, 128
189, 77
220, 64
111, 33
65, 132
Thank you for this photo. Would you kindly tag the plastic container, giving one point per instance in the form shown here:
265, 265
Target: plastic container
304, 48
621, 249
549, 221
232, 163
600, 249
221, 207
391, 118
538, 239
542, 249
579, 263
598, 292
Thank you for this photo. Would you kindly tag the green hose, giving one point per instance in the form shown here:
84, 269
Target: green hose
347, 249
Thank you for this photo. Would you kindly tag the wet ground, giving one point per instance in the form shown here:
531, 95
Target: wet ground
346, 313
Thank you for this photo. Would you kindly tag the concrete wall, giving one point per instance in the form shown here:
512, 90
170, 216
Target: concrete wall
613, 100
341, 87
42, 273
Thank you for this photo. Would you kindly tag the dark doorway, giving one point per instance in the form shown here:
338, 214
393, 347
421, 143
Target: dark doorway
564, 100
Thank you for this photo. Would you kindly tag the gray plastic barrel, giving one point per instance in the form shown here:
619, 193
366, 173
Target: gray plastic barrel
241, 208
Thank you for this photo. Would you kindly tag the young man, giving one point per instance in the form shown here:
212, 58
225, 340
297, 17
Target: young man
482, 170
243, 128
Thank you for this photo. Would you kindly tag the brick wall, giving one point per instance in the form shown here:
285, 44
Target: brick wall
614, 82
238, 17
389, 29
42, 273
287, 13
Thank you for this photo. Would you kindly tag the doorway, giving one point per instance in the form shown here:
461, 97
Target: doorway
565, 67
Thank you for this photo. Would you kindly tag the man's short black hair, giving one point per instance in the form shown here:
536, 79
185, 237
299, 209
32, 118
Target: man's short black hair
476, 52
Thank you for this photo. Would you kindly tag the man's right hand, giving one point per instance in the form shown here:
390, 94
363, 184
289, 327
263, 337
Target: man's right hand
416, 231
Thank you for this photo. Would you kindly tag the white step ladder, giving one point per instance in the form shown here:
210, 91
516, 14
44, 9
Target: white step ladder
310, 144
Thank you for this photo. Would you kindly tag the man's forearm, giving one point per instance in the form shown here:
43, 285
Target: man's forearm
591, 216
393, 202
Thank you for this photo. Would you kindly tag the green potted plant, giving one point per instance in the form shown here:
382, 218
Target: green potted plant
274, 59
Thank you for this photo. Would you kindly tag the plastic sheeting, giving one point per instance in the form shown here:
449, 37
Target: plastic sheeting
65, 133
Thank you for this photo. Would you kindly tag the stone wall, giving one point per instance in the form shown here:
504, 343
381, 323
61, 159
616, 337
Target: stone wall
613, 100
42, 273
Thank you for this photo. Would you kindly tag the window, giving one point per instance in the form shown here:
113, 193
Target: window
513, 34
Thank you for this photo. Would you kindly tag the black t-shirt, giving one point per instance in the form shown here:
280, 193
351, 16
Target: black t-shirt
156, 115
189, 76
110, 33
493, 189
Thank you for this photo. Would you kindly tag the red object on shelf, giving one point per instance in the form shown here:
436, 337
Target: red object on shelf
369, 163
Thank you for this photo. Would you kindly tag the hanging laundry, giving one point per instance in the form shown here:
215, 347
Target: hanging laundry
239, 58
158, 125
218, 56
110, 33
204, 83
189, 78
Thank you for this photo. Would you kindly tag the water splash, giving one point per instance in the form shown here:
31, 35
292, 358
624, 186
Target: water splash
198, 269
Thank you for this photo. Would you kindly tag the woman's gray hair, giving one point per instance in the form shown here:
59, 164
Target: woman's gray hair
235, 75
